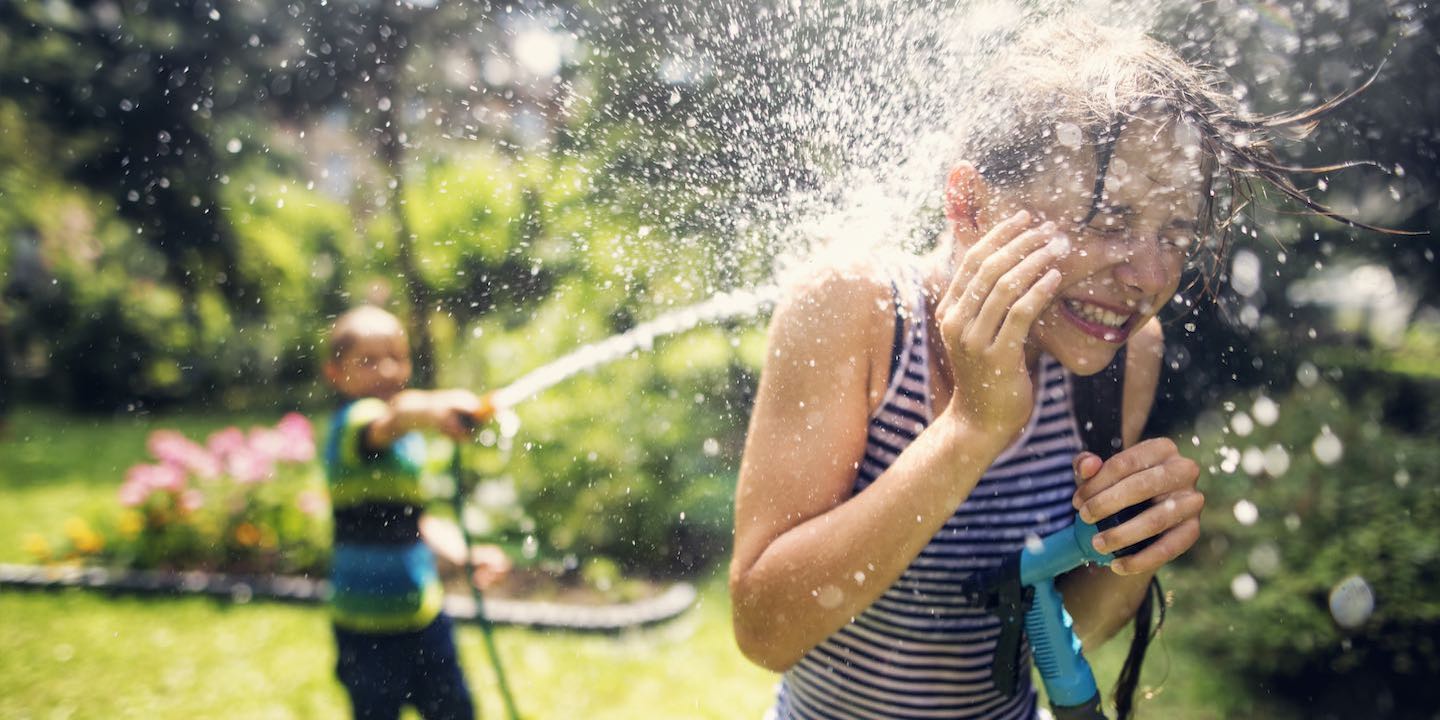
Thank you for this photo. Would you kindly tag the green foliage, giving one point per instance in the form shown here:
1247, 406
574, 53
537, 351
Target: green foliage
1339, 493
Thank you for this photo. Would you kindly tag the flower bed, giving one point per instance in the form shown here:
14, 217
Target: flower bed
249, 502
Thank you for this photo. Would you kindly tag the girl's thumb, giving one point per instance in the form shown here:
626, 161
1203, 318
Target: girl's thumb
1086, 465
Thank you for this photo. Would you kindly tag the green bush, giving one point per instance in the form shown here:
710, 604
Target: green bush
1316, 504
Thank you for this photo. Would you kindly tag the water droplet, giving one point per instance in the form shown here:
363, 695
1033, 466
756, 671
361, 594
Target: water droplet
830, 597
1327, 447
1242, 424
1069, 135
1244, 587
234, 145
1307, 374
1351, 602
1277, 460
1265, 410
1252, 461
1402, 478
1264, 559
1245, 512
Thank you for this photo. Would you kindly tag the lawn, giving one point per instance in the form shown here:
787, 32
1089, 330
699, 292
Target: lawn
79, 654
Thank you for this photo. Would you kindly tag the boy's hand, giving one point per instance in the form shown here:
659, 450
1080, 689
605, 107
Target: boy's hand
491, 565
444, 411
1153, 470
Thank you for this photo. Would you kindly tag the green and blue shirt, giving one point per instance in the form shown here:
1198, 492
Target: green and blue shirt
382, 575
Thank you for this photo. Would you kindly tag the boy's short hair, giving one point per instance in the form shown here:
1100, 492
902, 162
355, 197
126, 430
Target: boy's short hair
363, 321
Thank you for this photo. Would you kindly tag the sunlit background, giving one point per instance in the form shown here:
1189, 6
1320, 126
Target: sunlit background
191, 191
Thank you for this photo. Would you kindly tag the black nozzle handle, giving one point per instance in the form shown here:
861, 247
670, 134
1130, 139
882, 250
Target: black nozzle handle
1124, 516
1088, 711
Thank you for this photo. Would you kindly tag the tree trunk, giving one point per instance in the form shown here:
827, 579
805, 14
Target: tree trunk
392, 152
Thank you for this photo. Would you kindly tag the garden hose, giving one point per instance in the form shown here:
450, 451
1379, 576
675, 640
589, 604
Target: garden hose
457, 471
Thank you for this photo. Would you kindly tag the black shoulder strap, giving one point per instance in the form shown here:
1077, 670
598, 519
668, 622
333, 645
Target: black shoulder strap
1098, 401
897, 346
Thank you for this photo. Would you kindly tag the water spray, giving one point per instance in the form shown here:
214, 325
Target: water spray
499, 405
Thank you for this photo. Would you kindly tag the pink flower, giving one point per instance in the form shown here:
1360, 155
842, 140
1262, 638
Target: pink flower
266, 442
191, 500
311, 502
133, 494
225, 442
248, 467
172, 448
297, 439
166, 478
296, 425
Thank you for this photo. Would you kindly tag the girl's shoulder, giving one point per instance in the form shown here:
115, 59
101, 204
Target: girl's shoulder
842, 282
843, 313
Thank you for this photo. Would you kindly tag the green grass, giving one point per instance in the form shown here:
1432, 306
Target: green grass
81, 654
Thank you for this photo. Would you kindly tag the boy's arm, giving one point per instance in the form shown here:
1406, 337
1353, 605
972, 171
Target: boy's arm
491, 564
444, 539
441, 410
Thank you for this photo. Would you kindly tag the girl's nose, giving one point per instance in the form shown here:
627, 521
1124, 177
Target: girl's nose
1144, 270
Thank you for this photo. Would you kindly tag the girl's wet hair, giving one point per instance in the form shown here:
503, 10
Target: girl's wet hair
1104, 81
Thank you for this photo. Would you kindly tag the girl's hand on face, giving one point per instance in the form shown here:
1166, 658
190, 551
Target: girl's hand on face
1002, 284
1153, 470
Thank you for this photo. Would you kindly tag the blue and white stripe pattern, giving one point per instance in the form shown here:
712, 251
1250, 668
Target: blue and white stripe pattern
918, 652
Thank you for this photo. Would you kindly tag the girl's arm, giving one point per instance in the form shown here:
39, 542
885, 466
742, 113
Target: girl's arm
809, 557
1103, 600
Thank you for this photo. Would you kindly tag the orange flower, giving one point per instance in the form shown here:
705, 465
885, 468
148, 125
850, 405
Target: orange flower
131, 523
247, 534
85, 540
36, 546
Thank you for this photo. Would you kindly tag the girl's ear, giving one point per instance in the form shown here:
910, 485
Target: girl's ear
966, 197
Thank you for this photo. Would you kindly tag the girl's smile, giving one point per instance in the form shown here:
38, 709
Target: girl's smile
1105, 322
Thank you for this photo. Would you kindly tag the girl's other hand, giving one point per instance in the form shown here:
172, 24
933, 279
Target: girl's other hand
1002, 284
1153, 470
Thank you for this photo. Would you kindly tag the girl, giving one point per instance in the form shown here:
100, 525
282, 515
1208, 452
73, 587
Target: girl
914, 423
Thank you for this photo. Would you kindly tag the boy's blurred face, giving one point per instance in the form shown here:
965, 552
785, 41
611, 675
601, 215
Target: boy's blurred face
376, 365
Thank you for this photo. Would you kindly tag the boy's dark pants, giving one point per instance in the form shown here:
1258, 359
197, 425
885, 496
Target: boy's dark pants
385, 672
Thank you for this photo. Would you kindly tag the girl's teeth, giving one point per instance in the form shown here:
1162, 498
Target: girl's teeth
1098, 314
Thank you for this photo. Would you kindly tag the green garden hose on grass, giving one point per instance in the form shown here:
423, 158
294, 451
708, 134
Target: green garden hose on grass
458, 472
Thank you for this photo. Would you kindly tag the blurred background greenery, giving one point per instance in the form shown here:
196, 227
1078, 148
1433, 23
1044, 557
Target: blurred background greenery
191, 191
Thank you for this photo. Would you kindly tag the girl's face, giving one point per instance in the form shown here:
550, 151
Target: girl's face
1125, 263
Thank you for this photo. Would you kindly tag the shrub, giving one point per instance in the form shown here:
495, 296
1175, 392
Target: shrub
1317, 571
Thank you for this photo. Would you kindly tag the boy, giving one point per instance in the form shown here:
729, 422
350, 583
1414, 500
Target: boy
395, 646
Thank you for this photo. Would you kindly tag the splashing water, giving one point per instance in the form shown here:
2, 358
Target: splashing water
869, 107
642, 336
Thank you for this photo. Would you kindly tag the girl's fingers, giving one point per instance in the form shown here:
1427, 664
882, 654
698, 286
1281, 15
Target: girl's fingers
1018, 276
999, 236
988, 279
1164, 514
1125, 463
1022, 314
1168, 547
1139, 487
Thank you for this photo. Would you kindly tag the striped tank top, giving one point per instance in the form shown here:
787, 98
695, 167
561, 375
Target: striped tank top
918, 651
